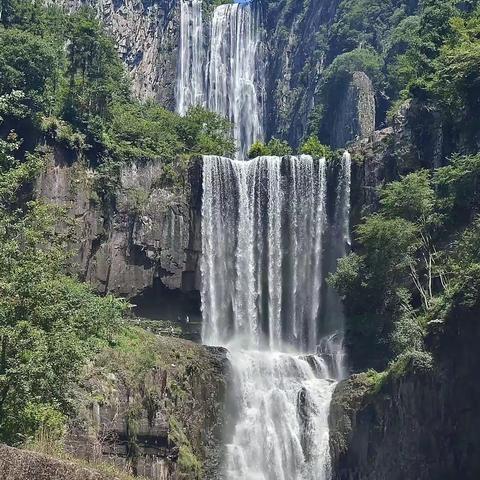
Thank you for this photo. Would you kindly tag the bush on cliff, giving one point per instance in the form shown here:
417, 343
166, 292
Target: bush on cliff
418, 258
50, 324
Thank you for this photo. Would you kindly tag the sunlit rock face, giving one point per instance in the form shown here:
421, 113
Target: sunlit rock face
143, 242
147, 38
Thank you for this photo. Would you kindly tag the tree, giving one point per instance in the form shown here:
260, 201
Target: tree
27, 64
313, 147
258, 149
96, 76
279, 148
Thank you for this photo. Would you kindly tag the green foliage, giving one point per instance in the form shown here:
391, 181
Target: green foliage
61, 76
279, 148
365, 22
313, 147
359, 60
457, 185
258, 149
275, 147
456, 80
26, 65
419, 258
50, 324
412, 198
95, 75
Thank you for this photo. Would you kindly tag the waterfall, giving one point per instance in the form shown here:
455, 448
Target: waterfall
266, 231
282, 431
263, 228
190, 78
227, 76
235, 72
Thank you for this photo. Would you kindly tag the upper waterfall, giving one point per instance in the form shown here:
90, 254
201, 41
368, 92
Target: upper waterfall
190, 88
227, 75
236, 72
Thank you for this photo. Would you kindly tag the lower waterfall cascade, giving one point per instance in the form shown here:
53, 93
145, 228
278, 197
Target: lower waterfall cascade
272, 228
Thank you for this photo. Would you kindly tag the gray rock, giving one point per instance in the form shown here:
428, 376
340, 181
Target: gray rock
150, 236
146, 34
355, 114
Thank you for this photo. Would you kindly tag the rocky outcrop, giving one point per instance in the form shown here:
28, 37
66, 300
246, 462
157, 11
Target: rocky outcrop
354, 117
414, 140
157, 409
146, 237
147, 37
18, 464
415, 424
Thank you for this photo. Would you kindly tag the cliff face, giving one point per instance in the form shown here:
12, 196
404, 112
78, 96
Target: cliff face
295, 44
354, 117
147, 34
419, 425
163, 421
146, 239
147, 37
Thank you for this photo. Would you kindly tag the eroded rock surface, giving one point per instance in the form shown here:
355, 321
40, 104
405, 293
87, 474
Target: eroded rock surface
164, 421
149, 235
147, 37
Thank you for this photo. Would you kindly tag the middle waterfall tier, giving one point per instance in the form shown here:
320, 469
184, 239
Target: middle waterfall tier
272, 229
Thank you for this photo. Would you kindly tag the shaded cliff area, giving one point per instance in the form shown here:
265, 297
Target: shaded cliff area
143, 241
413, 424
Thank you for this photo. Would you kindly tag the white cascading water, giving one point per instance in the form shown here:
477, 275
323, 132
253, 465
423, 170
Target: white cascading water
190, 77
265, 231
227, 76
235, 75
270, 236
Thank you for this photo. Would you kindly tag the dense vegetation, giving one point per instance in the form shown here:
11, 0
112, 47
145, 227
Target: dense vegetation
311, 146
426, 50
63, 76
418, 259
62, 81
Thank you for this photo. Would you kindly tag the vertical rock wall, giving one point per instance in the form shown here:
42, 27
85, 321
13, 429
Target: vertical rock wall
148, 237
147, 38
296, 51
416, 426
354, 116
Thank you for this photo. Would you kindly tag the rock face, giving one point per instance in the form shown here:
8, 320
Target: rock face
296, 58
164, 422
355, 115
147, 36
147, 238
419, 425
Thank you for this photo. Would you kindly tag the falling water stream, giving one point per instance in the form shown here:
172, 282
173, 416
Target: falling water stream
225, 74
266, 230
272, 229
